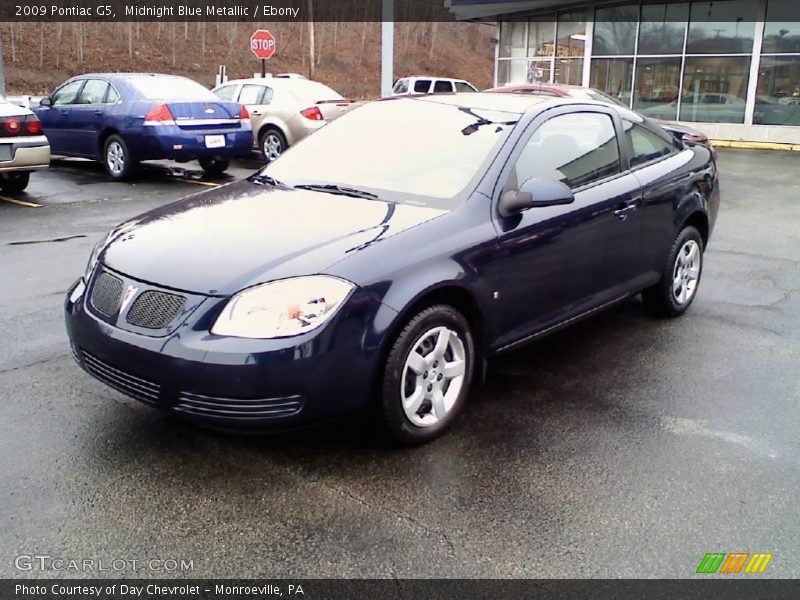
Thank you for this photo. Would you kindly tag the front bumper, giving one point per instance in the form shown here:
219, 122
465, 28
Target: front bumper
231, 383
26, 154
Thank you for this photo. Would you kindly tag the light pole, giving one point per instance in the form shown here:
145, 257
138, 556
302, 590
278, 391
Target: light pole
387, 46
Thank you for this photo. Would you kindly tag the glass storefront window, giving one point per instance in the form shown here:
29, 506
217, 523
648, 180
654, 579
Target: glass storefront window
782, 30
613, 77
715, 89
663, 28
722, 27
541, 34
511, 71
657, 87
569, 71
512, 39
571, 39
615, 30
778, 97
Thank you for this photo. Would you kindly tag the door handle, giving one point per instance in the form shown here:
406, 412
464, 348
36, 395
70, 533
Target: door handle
622, 211
255, 112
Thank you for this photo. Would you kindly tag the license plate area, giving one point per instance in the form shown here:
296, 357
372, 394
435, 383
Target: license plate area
215, 141
5, 152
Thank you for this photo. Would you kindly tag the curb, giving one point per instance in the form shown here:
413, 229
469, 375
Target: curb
755, 145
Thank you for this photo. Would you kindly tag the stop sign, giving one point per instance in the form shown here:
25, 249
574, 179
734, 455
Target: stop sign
262, 44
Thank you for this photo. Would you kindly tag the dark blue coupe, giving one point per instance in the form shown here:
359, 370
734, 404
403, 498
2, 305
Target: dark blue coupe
121, 119
380, 262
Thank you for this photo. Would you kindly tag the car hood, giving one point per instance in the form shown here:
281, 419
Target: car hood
221, 241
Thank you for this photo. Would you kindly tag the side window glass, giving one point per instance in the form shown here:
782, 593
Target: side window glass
421, 86
251, 94
575, 149
462, 87
401, 87
226, 92
94, 92
646, 145
440, 87
67, 94
113, 96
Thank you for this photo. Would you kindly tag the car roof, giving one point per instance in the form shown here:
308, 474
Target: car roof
435, 77
273, 81
124, 75
513, 103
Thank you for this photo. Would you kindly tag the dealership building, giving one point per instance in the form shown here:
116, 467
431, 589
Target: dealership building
732, 67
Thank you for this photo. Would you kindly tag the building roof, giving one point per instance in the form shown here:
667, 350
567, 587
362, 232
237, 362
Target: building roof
498, 10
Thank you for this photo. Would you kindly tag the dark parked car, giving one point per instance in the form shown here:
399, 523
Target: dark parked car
679, 130
351, 272
121, 119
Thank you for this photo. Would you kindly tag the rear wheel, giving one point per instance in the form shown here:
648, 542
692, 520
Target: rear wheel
672, 296
427, 375
273, 144
215, 165
117, 159
14, 181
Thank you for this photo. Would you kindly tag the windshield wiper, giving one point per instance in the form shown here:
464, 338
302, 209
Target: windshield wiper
266, 180
336, 189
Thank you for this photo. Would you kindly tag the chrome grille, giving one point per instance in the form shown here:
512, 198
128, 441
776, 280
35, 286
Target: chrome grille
135, 387
155, 310
238, 409
107, 293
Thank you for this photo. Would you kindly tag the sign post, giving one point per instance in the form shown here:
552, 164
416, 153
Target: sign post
262, 44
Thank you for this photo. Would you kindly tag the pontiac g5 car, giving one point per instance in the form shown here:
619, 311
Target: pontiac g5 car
352, 273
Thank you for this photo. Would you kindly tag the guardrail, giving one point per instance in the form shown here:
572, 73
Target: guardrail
26, 101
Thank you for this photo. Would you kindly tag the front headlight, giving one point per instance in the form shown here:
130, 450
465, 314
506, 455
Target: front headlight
282, 308
98, 248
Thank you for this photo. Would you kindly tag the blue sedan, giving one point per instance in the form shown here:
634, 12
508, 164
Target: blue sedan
121, 119
354, 273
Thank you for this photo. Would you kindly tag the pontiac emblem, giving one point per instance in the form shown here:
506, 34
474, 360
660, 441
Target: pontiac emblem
126, 299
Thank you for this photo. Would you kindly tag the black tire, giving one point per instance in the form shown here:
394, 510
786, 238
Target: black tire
276, 136
660, 299
15, 181
397, 424
127, 165
214, 165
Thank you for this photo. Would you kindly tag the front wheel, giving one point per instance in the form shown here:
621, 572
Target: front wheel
427, 375
215, 165
672, 296
117, 159
14, 181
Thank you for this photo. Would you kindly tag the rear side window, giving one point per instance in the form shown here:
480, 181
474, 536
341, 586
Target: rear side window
576, 149
255, 94
462, 87
226, 92
646, 144
401, 87
94, 92
421, 86
440, 87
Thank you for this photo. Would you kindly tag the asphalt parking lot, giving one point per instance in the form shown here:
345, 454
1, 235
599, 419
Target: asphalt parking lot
623, 447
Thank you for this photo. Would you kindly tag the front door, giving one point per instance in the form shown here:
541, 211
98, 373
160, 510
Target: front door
557, 262
57, 118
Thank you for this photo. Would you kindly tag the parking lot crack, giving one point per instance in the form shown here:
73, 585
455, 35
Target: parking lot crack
34, 364
49, 241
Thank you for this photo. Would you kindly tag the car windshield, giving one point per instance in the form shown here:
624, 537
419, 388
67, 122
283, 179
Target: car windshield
171, 88
413, 151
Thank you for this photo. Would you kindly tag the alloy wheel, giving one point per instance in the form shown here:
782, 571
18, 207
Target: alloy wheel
273, 147
686, 272
433, 376
115, 158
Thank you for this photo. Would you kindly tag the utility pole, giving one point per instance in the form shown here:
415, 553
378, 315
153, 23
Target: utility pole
311, 54
2, 69
387, 47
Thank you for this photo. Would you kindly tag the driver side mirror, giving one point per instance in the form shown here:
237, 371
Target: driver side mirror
535, 193
46, 101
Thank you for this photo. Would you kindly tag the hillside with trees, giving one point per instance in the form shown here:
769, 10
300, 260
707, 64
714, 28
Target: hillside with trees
346, 55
